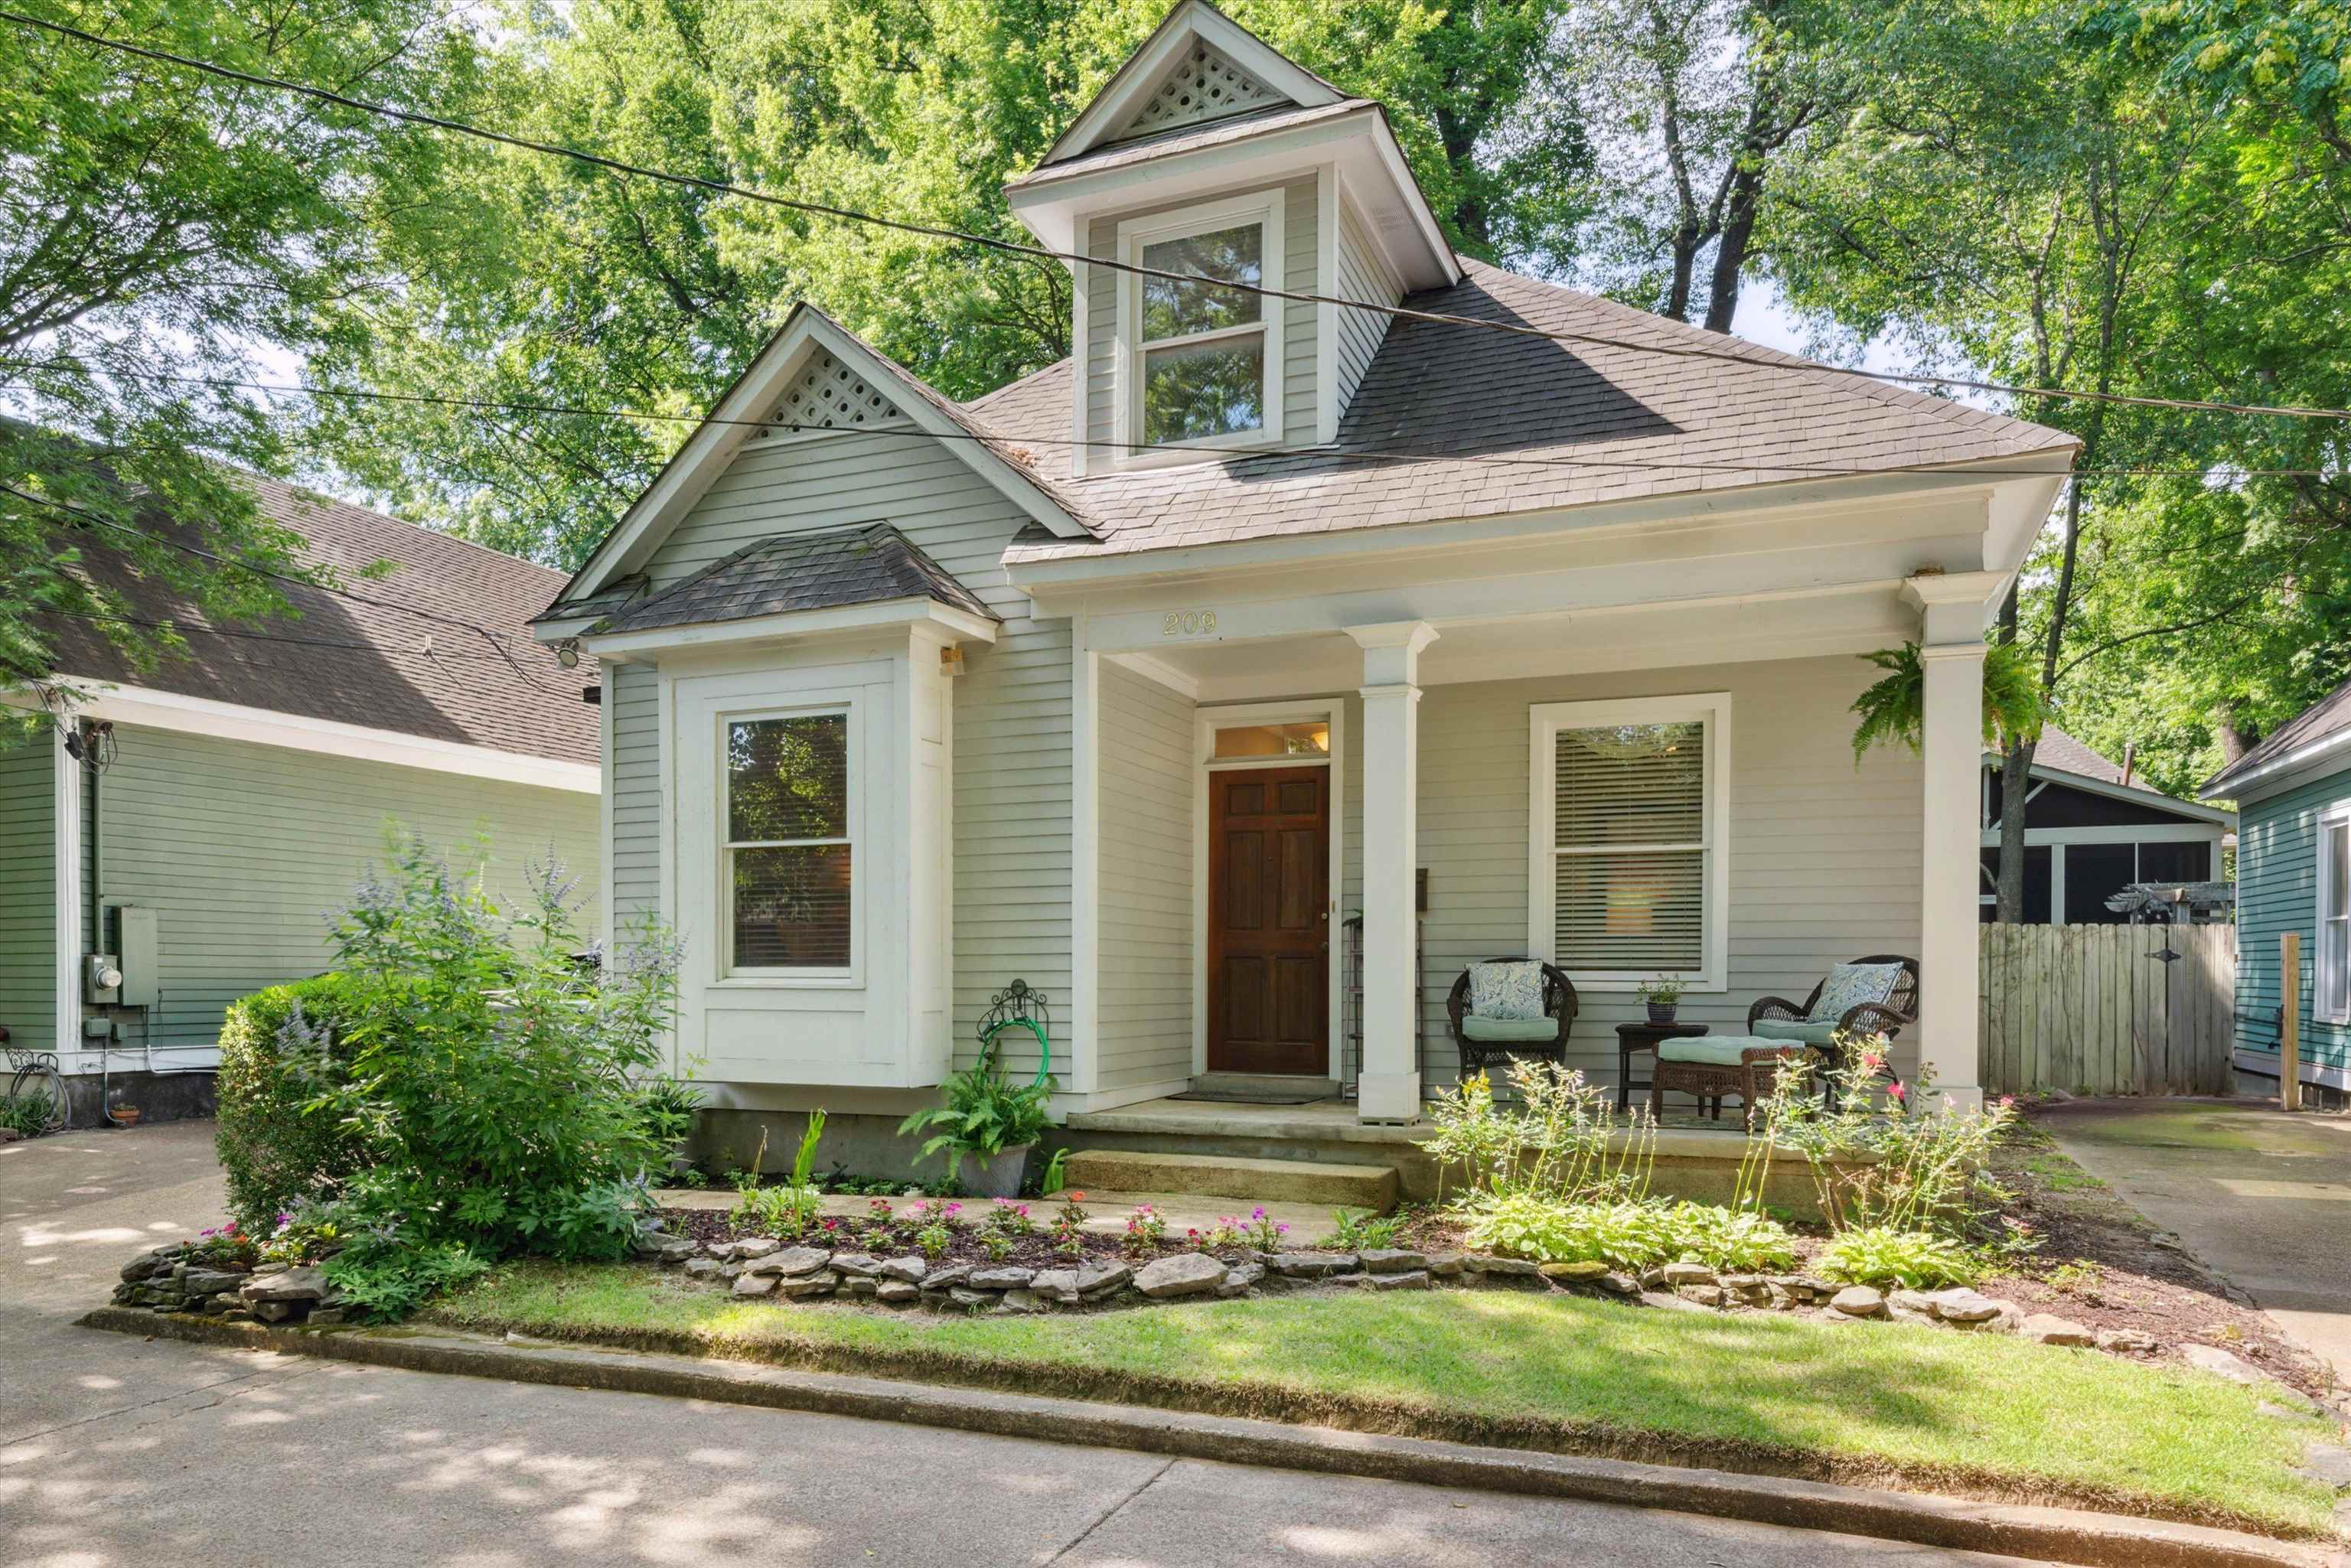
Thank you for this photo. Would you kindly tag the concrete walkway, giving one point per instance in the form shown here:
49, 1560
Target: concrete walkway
115, 1451
2260, 1196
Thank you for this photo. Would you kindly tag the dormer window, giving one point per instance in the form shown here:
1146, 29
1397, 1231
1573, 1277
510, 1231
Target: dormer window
1201, 365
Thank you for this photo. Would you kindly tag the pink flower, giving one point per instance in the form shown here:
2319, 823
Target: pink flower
2006, 1101
1871, 1061
1894, 1091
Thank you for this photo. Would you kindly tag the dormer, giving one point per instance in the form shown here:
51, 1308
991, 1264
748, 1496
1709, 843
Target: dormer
1211, 154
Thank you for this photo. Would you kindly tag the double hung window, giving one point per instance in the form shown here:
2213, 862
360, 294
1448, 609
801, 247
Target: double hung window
788, 861
1203, 357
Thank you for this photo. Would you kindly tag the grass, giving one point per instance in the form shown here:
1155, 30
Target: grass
1874, 1405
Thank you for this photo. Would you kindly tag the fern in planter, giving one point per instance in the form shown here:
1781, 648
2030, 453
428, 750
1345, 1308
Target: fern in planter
1894, 709
984, 1115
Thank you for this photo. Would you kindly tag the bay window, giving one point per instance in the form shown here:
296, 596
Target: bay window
788, 861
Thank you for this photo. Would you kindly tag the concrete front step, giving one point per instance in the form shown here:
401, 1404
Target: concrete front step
1376, 1188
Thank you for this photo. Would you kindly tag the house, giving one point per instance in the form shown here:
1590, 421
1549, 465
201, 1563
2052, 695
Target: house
1526, 622
2091, 831
209, 811
2294, 874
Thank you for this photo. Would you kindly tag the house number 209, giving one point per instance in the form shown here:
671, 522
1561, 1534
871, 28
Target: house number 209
1188, 624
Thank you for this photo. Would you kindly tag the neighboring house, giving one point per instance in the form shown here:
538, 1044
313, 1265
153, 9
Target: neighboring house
1142, 677
2090, 832
2293, 873
243, 788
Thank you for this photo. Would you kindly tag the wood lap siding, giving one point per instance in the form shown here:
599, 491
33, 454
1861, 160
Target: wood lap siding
28, 915
242, 847
1148, 780
1361, 276
2277, 892
1824, 860
1302, 249
633, 700
1013, 801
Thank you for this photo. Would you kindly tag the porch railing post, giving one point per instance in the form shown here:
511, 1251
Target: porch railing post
1388, 1089
1956, 607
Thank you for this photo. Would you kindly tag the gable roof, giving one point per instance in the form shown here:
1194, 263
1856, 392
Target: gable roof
369, 664
2060, 750
1492, 422
866, 564
743, 409
1190, 27
2322, 728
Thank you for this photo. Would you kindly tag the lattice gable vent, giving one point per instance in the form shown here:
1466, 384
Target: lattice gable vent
1204, 86
827, 394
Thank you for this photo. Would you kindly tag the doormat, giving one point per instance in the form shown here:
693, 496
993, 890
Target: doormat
1249, 1097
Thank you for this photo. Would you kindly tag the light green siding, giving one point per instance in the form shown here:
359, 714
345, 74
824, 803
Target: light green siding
1149, 779
1012, 707
2277, 892
242, 848
29, 918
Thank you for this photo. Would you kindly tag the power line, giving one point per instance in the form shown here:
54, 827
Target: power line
1042, 252
1355, 455
81, 516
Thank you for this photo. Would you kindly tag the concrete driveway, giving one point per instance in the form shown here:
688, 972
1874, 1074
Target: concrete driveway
2260, 1196
118, 1451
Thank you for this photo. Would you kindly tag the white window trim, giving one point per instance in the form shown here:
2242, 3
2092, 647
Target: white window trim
729, 972
2320, 971
1264, 208
1545, 720
1206, 721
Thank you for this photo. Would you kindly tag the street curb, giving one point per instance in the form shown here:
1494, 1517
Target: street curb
2072, 1536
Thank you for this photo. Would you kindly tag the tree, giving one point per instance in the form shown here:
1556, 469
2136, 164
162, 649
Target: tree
154, 220
543, 282
1705, 98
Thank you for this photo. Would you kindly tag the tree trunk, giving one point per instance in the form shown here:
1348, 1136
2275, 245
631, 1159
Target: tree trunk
1730, 255
2015, 784
2234, 742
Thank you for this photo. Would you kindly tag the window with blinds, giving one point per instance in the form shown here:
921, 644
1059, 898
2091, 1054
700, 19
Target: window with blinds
1624, 871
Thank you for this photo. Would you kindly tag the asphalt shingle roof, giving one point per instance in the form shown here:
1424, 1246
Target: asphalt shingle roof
407, 674
2327, 715
866, 564
1495, 423
2060, 750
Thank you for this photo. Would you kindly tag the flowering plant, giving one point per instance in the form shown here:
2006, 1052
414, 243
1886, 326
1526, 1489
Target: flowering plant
1146, 1230
1069, 1222
1008, 1217
1263, 1232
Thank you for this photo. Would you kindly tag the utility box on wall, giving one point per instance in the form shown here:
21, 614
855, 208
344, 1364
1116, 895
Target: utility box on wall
139, 941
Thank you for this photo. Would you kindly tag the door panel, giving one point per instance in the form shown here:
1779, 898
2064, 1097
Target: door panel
1269, 920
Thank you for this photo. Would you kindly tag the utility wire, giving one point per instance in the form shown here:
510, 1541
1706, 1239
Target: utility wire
79, 515
1194, 280
1351, 454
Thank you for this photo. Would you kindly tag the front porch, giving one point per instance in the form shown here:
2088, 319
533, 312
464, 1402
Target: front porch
1289, 846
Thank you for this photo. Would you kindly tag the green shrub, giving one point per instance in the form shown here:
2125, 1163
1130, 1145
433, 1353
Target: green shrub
1882, 1256
278, 1050
1626, 1234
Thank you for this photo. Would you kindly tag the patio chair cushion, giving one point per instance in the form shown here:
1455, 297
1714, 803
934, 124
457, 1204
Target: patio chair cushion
1507, 992
1851, 985
1713, 1050
1797, 1029
1506, 1030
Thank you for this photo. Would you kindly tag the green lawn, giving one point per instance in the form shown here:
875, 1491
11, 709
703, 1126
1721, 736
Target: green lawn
1865, 1403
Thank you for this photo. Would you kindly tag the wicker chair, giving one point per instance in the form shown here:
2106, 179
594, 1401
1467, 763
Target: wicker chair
1885, 1018
1559, 1006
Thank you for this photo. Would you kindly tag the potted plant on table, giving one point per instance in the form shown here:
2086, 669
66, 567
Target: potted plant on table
989, 1119
1664, 997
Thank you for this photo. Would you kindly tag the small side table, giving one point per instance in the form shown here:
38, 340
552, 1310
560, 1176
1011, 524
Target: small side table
1642, 1036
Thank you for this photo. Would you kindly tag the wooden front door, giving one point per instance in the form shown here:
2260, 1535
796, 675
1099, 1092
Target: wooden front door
1270, 920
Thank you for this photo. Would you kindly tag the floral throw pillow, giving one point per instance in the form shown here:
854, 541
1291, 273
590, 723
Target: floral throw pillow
1850, 985
1512, 989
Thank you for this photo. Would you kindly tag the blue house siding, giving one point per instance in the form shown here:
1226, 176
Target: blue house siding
2277, 892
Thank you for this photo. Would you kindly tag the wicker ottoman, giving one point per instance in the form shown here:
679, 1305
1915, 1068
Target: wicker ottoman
1711, 1066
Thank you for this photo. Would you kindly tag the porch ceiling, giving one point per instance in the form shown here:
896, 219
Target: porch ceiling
1854, 620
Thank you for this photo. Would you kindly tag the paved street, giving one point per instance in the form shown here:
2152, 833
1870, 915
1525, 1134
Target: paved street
116, 1451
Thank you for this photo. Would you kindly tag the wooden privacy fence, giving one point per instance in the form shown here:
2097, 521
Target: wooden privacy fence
2107, 1009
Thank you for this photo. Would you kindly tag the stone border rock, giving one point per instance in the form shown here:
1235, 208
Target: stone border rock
2078, 1537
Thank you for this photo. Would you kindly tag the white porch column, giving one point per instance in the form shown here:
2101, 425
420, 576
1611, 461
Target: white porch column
1389, 1087
1957, 606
